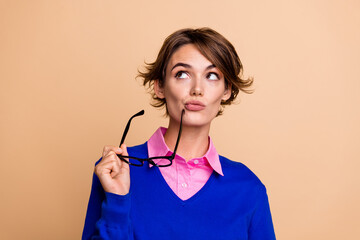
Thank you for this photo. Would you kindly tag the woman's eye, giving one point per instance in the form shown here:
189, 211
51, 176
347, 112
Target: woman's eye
213, 76
181, 75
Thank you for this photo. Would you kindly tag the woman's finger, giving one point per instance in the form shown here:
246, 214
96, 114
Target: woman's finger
108, 149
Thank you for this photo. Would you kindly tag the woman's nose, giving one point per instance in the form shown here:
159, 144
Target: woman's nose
197, 88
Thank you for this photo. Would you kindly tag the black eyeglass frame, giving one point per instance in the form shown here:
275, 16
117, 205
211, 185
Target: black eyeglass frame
150, 160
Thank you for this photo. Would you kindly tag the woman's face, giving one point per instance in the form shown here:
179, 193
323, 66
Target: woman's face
194, 84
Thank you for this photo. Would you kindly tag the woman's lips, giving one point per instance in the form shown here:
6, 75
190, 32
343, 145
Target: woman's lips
194, 106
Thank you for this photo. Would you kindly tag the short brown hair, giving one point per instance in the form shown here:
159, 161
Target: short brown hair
217, 49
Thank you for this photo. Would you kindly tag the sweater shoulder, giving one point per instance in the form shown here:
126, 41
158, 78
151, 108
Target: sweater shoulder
238, 172
140, 150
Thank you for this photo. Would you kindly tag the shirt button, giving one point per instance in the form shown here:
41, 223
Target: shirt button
184, 185
196, 161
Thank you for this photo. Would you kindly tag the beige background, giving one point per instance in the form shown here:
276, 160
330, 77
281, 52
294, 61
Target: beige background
67, 71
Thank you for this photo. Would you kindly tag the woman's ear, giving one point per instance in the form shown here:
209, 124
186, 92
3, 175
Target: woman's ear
227, 93
159, 90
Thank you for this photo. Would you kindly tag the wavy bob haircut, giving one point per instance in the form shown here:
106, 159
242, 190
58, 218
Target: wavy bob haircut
217, 49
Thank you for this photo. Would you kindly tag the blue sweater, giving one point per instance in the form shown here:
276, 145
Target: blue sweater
233, 206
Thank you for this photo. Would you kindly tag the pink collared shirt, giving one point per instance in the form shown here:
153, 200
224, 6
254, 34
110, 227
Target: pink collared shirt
184, 178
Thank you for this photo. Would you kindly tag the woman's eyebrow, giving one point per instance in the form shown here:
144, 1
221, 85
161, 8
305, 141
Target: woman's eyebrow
210, 66
189, 66
182, 65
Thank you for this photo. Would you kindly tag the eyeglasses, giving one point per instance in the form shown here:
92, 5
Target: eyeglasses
138, 162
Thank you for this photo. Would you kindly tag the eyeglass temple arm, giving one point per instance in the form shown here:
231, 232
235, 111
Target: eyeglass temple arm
178, 138
128, 126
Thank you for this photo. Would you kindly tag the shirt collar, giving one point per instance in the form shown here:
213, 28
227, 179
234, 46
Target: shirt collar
157, 147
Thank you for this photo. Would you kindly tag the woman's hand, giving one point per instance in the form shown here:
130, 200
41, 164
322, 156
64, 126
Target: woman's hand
113, 173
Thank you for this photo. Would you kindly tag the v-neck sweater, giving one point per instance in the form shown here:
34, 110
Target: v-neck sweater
185, 178
233, 206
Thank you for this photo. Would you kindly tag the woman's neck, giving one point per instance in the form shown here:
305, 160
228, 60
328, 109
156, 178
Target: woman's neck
194, 141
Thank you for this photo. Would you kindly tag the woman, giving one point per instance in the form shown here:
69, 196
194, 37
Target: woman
199, 194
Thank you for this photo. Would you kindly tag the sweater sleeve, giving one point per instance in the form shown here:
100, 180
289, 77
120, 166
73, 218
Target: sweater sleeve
108, 215
261, 227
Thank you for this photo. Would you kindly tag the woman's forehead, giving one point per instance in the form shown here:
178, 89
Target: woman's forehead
188, 56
